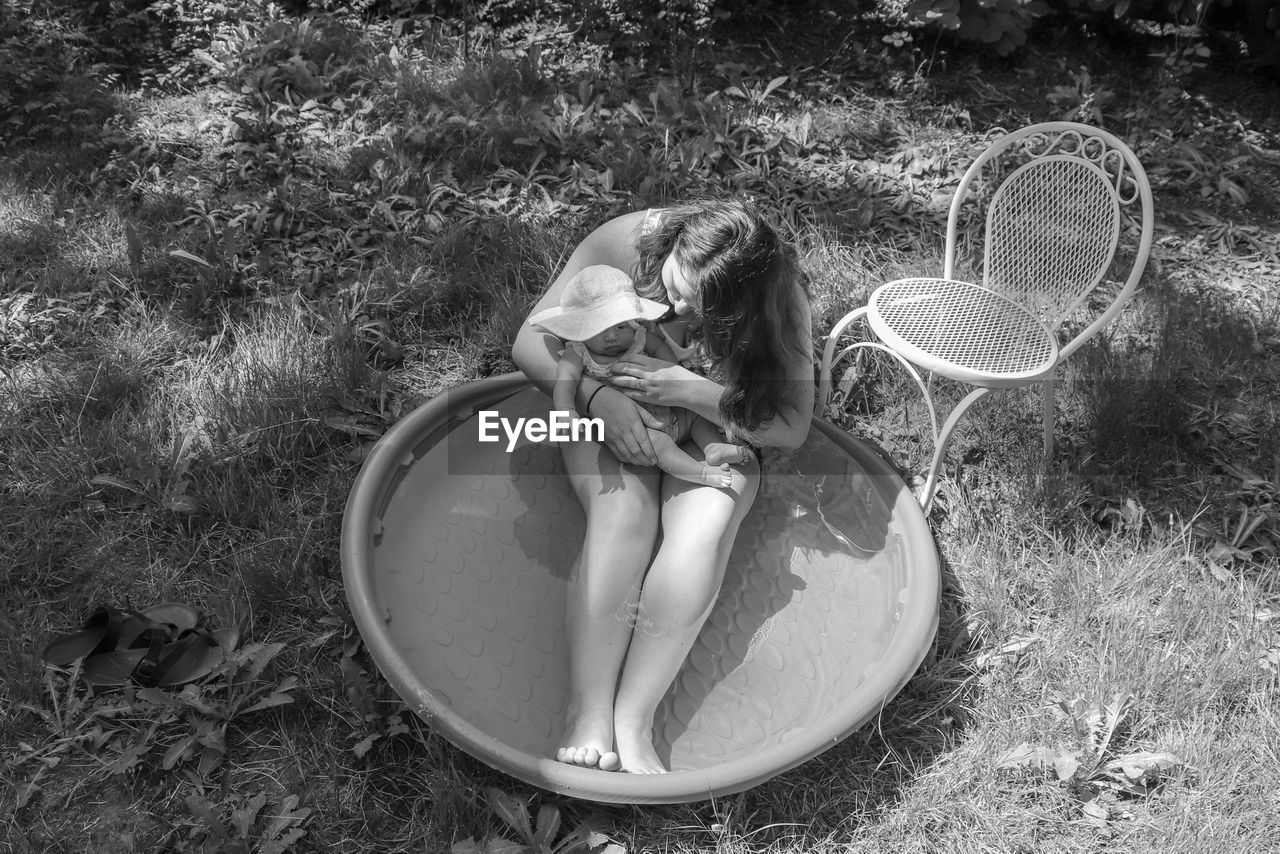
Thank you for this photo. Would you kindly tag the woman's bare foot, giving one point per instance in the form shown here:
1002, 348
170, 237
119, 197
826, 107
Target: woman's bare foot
718, 453
635, 751
588, 742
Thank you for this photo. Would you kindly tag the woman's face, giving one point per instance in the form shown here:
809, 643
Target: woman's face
680, 293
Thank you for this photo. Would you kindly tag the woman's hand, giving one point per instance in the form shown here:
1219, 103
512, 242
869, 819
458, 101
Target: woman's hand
626, 426
652, 380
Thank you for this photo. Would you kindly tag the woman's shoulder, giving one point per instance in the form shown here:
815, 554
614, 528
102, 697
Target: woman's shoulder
612, 242
652, 217
625, 226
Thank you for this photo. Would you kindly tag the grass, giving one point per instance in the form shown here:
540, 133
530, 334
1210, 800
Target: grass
188, 431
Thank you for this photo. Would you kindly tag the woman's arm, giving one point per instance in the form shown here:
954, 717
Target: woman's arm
613, 243
534, 351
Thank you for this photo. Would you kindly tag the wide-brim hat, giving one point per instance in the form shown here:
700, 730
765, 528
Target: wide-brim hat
595, 299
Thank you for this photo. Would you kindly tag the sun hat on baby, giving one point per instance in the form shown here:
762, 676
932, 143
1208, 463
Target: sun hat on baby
597, 298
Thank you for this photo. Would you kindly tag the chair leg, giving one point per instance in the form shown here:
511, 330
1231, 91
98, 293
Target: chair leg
828, 355
1047, 388
910, 369
940, 446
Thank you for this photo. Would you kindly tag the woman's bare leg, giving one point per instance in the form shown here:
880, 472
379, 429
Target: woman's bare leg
699, 525
621, 507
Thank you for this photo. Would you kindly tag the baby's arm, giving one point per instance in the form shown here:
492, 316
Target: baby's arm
568, 372
655, 345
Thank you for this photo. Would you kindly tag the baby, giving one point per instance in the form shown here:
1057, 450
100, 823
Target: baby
601, 319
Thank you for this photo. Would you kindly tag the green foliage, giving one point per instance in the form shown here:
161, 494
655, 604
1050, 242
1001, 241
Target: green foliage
437, 148
648, 25
48, 83
541, 836
248, 828
1092, 772
1005, 24
291, 59
159, 42
1181, 11
1002, 24
1258, 23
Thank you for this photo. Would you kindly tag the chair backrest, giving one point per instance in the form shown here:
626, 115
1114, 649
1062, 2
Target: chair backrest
1061, 198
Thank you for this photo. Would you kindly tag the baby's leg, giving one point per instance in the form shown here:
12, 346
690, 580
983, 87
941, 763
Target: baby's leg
714, 448
677, 462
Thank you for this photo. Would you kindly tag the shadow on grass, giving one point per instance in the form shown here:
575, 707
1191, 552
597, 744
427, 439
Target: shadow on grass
1173, 408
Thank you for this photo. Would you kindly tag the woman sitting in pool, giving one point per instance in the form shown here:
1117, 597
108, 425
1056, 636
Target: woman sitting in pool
740, 318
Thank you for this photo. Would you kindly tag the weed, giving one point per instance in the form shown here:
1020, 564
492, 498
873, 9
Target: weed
247, 829
541, 836
1091, 771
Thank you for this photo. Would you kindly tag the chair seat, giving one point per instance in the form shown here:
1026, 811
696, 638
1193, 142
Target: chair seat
962, 331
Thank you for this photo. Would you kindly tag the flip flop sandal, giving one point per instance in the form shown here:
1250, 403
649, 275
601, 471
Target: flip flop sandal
171, 618
108, 628
154, 663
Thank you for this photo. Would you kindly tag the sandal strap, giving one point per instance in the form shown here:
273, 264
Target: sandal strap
170, 629
111, 635
161, 667
147, 671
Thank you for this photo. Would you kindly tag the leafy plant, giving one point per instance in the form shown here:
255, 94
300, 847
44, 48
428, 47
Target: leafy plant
1208, 175
1005, 24
1002, 24
122, 729
539, 836
49, 84
210, 708
755, 95
309, 58
163, 485
28, 325
1091, 771
374, 710
1082, 101
247, 829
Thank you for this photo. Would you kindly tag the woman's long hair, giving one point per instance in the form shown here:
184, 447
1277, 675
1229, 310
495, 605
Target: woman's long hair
747, 285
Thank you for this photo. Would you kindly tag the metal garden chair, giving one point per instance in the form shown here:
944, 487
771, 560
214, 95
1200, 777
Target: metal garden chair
1068, 215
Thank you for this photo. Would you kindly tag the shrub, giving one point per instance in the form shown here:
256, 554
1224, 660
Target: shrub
48, 84
1005, 24
306, 58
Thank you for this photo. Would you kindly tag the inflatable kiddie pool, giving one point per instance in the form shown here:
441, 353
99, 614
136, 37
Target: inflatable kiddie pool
455, 557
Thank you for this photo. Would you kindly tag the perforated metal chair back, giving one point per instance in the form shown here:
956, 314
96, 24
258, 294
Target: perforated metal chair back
1061, 199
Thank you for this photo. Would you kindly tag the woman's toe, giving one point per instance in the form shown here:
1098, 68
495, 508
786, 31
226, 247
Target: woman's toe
609, 761
587, 757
